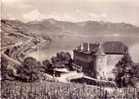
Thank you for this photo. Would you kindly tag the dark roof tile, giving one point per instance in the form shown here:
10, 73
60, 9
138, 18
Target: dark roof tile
114, 47
109, 47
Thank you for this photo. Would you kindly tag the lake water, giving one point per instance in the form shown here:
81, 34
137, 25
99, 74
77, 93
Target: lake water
68, 43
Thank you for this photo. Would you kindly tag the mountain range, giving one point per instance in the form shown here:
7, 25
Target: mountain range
66, 35
84, 28
52, 26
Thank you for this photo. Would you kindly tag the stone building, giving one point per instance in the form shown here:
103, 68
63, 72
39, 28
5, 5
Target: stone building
99, 59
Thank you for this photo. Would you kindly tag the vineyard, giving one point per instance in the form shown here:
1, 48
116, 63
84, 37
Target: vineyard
34, 79
56, 90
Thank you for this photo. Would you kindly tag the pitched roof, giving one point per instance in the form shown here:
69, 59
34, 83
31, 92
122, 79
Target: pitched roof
114, 47
109, 47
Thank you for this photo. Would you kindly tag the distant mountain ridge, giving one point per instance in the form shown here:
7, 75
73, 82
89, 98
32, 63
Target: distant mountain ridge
65, 35
63, 30
52, 26
85, 27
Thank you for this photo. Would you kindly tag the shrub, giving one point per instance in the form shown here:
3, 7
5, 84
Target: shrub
28, 71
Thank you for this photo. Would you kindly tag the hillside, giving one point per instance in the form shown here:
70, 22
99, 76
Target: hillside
60, 29
67, 35
15, 31
84, 28
17, 41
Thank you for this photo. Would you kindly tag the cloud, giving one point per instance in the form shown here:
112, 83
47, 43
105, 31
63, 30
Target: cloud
33, 15
13, 2
10, 1
134, 52
75, 10
99, 17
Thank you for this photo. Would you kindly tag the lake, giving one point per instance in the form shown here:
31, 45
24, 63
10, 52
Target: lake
68, 43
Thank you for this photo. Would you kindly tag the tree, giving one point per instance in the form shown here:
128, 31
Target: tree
47, 64
124, 75
4, 64
68, 61
135, 70
28, 71
55, 60
63, 58
7, 73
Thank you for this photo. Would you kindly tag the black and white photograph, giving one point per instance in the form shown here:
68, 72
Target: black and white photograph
69, 49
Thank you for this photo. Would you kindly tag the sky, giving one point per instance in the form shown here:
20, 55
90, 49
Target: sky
72, 10
126, 11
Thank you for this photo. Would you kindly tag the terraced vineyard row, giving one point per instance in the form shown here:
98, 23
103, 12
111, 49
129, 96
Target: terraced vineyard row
56, 90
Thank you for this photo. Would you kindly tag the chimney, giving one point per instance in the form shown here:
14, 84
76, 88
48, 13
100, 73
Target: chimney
88, 47
82, 47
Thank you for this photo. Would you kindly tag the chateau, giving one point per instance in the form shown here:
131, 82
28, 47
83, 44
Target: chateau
99, 59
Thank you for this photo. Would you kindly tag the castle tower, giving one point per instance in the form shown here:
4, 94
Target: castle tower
100, 62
